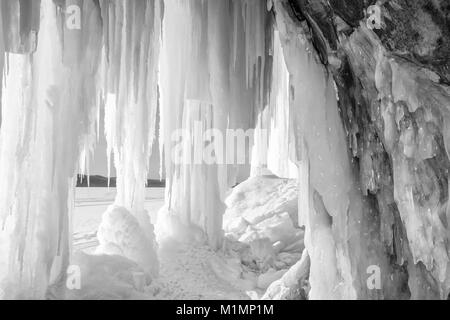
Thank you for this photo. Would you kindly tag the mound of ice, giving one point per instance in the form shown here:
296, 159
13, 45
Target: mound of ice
262, 211
261, 227
120, 234
260, 198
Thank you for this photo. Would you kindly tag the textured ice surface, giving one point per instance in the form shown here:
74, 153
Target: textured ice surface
272, 149
291, 286
261, 227
260, 198
120, 234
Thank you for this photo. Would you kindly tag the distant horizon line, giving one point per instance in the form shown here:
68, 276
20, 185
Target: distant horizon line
98, 181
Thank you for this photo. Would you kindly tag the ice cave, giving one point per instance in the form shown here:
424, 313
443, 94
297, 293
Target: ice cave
225, 149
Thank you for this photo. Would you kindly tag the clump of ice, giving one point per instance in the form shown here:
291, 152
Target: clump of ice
261, 198
120, 234
261, 228
264, 207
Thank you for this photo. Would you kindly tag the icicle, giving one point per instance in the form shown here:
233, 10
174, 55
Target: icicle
130, 62
48, 106
2, 62
272, 134
210, 57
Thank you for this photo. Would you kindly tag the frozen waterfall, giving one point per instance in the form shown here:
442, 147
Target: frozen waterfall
296, 97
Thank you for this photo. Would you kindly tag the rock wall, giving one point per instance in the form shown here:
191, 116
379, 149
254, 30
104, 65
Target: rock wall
393, 100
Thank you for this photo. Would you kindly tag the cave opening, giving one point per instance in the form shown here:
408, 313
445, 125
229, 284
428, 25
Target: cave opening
235, 149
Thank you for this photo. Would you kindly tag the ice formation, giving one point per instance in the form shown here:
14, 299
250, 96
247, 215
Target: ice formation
212, 73
48, 102
273, 139
120, 234
289, 286
372, 160
131, 33
362, 129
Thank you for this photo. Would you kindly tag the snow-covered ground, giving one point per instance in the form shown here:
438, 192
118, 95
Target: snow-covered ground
262, 242
186, 270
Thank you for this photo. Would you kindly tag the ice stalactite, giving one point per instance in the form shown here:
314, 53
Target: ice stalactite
19, 26
272, 135
2, 61
212, 78
132, 31
48, 107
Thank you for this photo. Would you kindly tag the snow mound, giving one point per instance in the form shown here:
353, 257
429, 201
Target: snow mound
104, 277
120, 234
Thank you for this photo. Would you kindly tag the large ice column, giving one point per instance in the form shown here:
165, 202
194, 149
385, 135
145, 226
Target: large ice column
131, 52
48, 105
212, 74
324, 174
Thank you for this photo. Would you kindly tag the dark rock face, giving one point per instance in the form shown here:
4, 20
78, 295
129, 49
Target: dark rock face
394, 103
418, 30
351, 11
